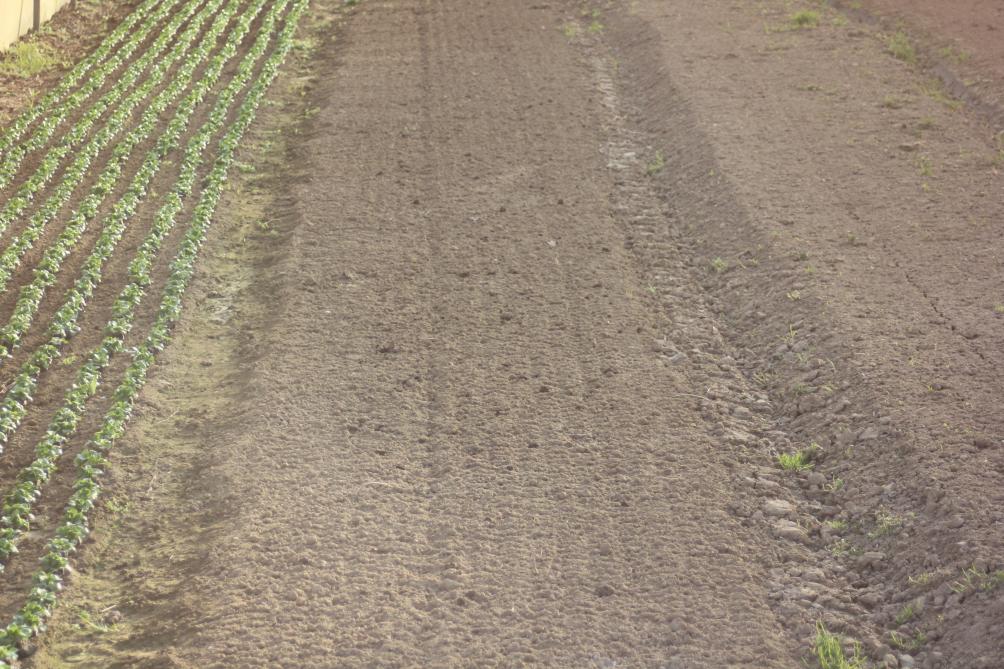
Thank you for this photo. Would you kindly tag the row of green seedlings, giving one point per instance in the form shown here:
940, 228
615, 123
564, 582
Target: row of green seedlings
48, 580
15, 513
48, 166
57, 102
14, 405
45, 273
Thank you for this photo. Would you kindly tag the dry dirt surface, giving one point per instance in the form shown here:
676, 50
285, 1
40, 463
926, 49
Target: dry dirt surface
503, 329
961, 42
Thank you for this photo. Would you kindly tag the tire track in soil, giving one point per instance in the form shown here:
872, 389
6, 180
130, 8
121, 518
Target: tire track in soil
779, 164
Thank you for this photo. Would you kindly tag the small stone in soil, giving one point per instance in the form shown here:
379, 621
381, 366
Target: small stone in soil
778, 508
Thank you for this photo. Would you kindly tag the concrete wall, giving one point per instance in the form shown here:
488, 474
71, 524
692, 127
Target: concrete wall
17, 17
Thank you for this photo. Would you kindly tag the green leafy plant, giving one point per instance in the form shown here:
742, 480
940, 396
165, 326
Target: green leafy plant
800, 460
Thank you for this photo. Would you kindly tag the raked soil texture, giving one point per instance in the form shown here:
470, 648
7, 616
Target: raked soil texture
425, 333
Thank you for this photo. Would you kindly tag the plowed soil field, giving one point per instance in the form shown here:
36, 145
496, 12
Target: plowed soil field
424, 333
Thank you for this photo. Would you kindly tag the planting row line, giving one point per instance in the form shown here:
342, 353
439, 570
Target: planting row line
47, 581
15, 514
18, 395
19, 126
48, 267
14, 157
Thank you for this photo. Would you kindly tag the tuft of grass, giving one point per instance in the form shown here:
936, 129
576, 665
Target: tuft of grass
718, 265
899, 45
830, 651
906, 614
885, 524
842, 547
934, 89
807, 18
922, 578
925, 166
595, 27
570, 30
26, 59
657, 164
955, 55
907, 643
800, 460
973, 579
893, 102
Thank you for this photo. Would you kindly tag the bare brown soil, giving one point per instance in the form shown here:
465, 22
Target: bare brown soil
962, 43
72, 34
496, 345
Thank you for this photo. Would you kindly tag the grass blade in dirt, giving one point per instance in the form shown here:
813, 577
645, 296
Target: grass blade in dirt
107, 180
17, 505
17, 203
114, 40
47, 582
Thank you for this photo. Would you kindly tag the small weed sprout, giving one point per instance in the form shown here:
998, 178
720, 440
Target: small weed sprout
656, 166
595, 27
830, 651
906, 614
925, 166
899, 46
885, 524
763, 378
834, 485
907, 643
922, 578
892, 102
570, 30
934, 89
794, 295
837, 525
800, 460
718, 265
999, 308
806, 18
